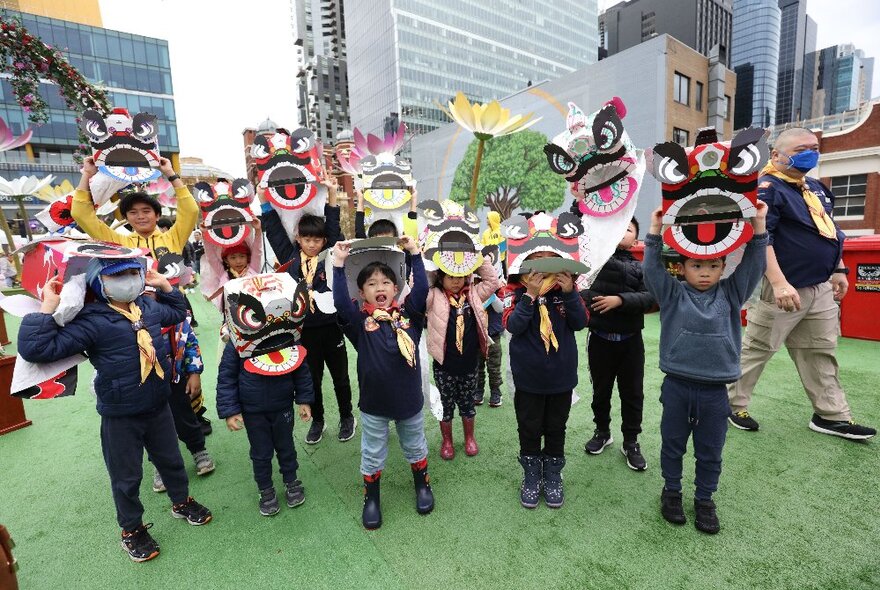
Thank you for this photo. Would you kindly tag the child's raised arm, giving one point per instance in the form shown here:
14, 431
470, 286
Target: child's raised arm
660, 283
347, 311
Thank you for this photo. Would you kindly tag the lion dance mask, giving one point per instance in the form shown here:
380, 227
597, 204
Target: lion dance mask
710, 191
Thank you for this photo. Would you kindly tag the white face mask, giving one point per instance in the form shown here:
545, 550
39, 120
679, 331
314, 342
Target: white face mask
123, 288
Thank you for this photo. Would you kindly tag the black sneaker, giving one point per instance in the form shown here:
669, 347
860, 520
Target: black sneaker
192, 511
346, 429
478, 398
139, 544
633, 454
495, 398
316, 433
671, 508
598, 443
841, 428
268, 502
705, 518
295, 493
743, 421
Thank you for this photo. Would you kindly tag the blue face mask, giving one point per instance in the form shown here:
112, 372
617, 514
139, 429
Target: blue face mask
804, 161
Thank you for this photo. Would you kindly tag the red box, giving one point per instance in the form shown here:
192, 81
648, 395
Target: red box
858, 310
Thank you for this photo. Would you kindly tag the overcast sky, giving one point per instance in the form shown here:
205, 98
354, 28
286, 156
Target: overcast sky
233, 63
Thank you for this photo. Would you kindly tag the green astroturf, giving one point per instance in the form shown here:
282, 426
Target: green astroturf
798, 510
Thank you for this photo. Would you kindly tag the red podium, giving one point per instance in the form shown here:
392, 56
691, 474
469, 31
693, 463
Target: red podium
11, 408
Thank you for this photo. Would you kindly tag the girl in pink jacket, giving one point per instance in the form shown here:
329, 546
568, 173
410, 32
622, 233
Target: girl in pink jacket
457, 336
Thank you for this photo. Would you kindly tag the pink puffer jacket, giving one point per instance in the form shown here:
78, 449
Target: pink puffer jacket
439, 309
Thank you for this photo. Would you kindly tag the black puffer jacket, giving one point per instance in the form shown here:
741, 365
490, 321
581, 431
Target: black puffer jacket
622, 276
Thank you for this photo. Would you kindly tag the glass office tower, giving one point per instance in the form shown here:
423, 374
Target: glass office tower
754, 56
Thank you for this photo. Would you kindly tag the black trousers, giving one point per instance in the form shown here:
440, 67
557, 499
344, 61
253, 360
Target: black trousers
189, 430
624, 362
123, 440
542, 415
271, 433
326, 345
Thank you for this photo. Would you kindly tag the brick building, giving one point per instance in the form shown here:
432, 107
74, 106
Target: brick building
850, 166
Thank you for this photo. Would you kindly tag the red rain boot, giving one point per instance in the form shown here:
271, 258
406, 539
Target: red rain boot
447, 451
470, 445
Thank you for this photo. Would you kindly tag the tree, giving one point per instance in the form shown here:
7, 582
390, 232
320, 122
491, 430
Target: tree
514, 173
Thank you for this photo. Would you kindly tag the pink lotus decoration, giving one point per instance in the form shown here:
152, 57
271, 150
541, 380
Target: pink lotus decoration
369, 145
8, 141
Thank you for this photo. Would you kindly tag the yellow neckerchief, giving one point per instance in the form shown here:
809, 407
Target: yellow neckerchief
823, 221
145, 342
458, 301
547, 334
308, 267
392, 316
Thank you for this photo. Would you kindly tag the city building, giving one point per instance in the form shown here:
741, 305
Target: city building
193, 170
754, 56
842, 76
797, 39
699, 24
134, 70
322, 74
670, 92
404, 56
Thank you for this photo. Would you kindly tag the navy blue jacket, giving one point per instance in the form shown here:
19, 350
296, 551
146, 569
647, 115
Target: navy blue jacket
107, 338
534, 369
495, 326
621, 276
700, 331
805, 257
240, 391
287, 250
389, 387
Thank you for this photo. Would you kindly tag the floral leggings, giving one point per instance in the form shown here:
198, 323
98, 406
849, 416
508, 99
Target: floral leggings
456, 390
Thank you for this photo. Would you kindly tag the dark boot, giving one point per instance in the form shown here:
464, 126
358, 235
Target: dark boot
553, 495
447, 451
424, 495
470, 444
530, 490
372, 515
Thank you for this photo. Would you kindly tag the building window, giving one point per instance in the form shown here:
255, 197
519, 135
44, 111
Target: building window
681, 89
680, 136
727, 109
698, 96
849, 195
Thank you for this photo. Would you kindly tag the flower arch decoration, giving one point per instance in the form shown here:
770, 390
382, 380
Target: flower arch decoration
27, 59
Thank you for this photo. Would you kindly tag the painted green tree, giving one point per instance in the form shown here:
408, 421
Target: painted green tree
514, 175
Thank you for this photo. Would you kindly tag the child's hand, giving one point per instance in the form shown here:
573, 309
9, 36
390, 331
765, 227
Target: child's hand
305, 412
565, 281
341, 251
165, 167
234, 423
359, 194
533, 284
656, 221
258, 225
157, 281
605, 303
194, 386
89, 168
51, 295
408, 244
329, 182
414, 201
759, 222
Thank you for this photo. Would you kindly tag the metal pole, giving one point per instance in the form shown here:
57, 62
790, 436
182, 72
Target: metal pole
4, 225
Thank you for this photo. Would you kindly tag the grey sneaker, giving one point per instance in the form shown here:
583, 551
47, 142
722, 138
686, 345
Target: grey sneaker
204, 463
346, 428
295, 493
158, 485
268, 502
495, 398
316, 433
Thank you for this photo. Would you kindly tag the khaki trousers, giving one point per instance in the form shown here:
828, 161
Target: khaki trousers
810, 336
